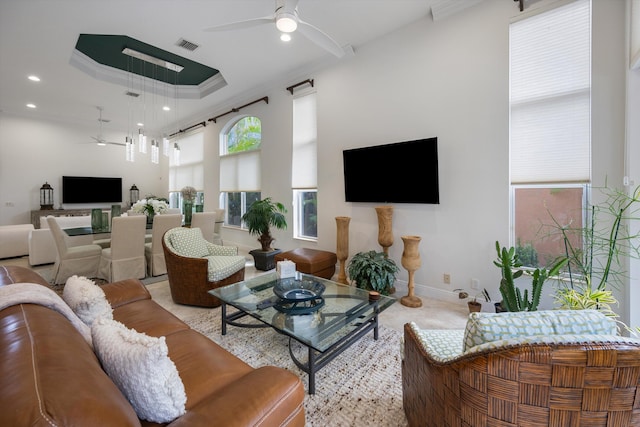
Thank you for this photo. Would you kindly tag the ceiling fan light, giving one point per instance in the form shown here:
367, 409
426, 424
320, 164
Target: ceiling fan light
285, 37
102, 144
286, 22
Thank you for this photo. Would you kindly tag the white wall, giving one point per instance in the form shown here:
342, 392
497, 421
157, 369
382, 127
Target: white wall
32, 152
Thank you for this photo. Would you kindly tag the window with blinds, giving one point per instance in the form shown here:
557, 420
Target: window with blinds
304, 167
550, 125
189, 171
240, 167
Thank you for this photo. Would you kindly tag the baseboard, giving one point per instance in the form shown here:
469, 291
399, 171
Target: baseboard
427, 292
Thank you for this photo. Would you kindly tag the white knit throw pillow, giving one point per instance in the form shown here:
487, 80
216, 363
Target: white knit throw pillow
141, 368
86, 299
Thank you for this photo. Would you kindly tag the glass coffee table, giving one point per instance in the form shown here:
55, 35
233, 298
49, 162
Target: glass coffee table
325, 316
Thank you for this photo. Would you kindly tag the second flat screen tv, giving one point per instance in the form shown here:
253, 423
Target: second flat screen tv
88, 189
403, 172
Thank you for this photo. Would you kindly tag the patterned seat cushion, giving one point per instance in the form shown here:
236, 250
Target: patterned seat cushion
188, 242
221, 267
553, 340
487, 327
442, 345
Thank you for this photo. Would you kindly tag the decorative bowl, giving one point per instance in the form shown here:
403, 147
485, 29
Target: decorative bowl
298, 290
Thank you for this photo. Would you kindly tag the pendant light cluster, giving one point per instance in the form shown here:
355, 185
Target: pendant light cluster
135, 81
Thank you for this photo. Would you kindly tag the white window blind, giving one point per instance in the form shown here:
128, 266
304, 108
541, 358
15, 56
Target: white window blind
304, 165
550, 55
240, 171
190, 171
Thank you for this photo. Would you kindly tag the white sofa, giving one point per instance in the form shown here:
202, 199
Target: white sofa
42, 248
14, 240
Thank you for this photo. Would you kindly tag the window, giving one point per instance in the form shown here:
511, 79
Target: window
550, 133
304, 179
240, 168
236, 204
305, 219
189, 171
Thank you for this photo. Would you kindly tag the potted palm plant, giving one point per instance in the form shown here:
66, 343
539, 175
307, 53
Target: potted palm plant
373, 271
259, 218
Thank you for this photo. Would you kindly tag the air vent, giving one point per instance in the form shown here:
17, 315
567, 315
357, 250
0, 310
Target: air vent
132, 94
186, 44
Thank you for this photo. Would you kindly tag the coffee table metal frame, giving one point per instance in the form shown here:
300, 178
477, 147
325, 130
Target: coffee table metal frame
361, 318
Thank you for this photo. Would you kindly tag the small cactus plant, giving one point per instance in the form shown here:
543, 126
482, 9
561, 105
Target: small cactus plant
510, 266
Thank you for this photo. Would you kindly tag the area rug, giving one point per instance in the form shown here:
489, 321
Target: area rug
360, 387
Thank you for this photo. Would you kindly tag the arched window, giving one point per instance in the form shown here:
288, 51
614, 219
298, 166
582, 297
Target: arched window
240, 144
244, 135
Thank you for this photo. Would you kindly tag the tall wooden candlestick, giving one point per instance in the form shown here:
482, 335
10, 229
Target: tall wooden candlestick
342, 246
385, 230
411, 262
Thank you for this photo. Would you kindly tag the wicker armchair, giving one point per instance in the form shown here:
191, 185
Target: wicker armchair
190, 276
585, 383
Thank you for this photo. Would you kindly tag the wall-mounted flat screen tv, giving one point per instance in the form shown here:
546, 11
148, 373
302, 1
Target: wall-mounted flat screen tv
88, 189
402, 172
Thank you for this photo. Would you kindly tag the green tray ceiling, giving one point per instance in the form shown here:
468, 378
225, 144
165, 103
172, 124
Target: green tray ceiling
107, 50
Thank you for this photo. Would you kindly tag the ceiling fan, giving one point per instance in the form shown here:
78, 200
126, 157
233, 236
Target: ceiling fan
99, 139
287, 20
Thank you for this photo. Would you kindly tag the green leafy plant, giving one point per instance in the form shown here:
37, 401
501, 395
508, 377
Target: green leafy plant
596, 253
511, 268
595, 262
582, 297
261, 216
373, 270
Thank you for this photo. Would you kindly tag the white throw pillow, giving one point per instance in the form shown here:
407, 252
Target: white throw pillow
141, 368
86, 299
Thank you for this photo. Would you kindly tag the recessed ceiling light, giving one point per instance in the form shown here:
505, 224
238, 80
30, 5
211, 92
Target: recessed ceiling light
166, 108
31, 105
140, 124
34, 78
285, 37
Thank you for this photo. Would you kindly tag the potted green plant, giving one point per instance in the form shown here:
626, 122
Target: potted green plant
373, 271
511, 268
259, 218
594, 266
475, 305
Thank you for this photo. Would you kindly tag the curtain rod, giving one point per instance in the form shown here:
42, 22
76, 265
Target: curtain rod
235, 110
203, 124
292, 87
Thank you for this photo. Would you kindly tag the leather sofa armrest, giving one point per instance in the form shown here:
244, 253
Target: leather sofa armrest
125, 292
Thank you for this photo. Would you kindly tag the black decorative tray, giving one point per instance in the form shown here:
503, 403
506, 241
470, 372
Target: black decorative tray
294, 290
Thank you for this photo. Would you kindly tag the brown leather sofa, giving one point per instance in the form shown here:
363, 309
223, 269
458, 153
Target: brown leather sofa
49, 375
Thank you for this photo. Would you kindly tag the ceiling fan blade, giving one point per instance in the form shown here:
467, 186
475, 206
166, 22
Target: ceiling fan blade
243, 24
320, 38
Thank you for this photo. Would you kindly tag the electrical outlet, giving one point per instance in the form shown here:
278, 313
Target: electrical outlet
446, 278
475, 284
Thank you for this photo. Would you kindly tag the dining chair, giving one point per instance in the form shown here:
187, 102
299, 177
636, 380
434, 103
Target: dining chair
206, 222
125, 258
81, 260
153, 252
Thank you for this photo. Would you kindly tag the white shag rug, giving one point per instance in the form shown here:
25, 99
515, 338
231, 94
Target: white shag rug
360, 387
